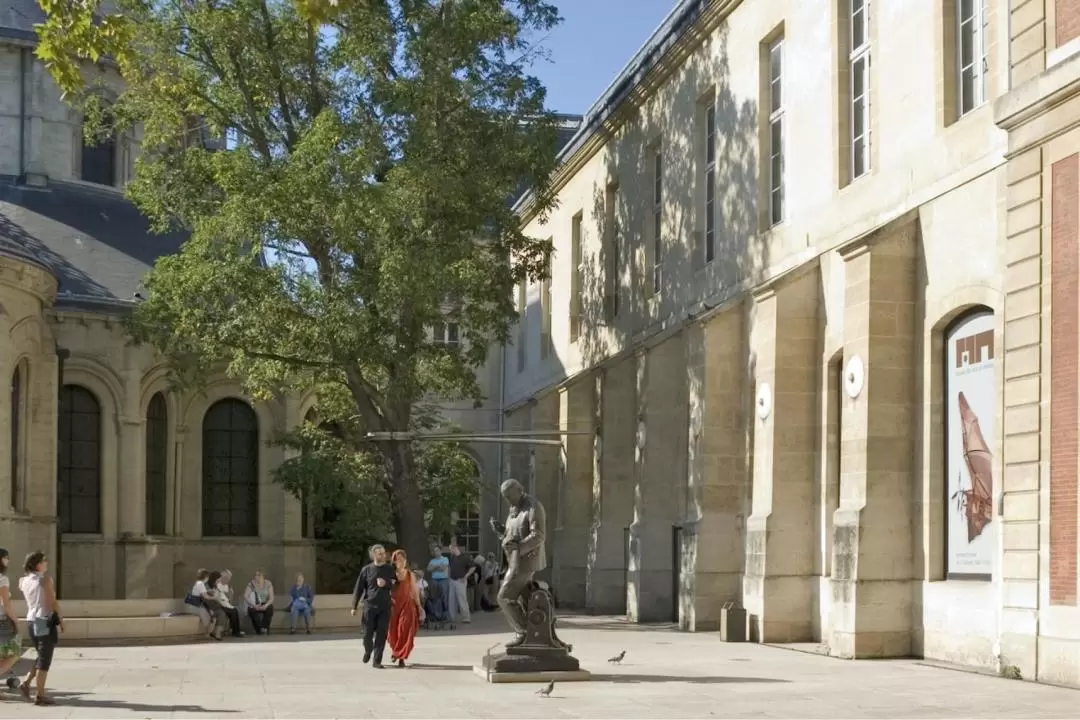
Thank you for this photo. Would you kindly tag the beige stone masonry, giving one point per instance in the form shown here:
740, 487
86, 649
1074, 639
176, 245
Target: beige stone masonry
786, 353
571, 519
718, 493
612, 487
871, 601
659, 492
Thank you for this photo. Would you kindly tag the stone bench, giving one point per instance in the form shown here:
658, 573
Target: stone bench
103, 622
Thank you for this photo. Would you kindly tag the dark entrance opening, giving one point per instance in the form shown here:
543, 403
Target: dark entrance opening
676, 570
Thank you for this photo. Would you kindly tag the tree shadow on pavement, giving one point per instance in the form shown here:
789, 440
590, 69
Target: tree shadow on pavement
80, 700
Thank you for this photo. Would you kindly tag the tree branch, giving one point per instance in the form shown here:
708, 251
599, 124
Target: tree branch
271, 49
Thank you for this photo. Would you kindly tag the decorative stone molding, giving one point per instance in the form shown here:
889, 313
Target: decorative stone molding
28, 276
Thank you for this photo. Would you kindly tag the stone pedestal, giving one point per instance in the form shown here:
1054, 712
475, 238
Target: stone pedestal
542, 656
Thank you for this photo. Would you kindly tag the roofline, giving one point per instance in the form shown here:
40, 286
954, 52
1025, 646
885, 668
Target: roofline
670, 30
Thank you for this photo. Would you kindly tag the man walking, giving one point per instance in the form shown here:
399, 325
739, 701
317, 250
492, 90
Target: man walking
373, 588
461, 569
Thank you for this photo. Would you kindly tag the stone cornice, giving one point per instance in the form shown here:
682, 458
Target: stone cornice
643, 88
1038, 95
28, 276
768, 288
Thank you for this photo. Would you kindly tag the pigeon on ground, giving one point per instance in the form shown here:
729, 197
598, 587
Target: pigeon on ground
546, 690
618, 658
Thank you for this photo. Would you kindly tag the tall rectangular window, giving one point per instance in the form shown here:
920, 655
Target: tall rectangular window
776, 131
710, 181
971, 60
522, 316
447, 334
859, 74
613, 249
577, 273
546, 345
658, 219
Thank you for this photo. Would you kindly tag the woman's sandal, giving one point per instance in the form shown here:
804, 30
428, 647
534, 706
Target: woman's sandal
24, 690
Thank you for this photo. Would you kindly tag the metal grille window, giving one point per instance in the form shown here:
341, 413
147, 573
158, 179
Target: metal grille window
710, 181
157, 461
776, 132
230, 484
78, 462
971, 61
658, 220
859, 72
16, 430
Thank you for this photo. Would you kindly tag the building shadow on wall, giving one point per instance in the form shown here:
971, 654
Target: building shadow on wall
689, 284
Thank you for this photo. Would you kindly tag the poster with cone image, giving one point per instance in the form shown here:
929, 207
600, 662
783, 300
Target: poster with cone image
970, 397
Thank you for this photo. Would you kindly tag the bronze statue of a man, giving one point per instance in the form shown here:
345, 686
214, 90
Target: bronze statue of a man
523, 540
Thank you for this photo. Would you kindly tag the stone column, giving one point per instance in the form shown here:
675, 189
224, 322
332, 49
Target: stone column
786, 341
547, 467
131, 457
575, 415
871, 610
612, 488
716, 470
659, 494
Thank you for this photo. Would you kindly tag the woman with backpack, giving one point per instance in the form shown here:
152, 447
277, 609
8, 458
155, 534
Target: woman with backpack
43, 619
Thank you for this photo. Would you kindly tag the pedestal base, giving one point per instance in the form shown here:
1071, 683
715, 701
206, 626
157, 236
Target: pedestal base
526, 659
534, 677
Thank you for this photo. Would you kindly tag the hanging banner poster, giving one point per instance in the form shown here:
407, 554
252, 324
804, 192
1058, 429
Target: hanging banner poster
970, 399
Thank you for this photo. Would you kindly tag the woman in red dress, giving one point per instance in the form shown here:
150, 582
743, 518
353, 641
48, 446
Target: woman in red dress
406, 614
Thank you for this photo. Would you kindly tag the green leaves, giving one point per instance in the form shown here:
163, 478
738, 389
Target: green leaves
356, 191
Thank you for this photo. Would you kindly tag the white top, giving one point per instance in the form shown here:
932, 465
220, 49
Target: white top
33, 589
223, 595
198, 589
5, 582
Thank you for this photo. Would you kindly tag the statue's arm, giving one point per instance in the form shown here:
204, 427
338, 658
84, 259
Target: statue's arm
497, 527
537, 527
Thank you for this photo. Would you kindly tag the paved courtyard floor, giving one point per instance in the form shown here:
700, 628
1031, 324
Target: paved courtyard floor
666, 674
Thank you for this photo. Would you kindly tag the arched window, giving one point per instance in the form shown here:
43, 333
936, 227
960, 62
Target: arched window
230, 491
78, 465
157, 459
99, 161
16, 434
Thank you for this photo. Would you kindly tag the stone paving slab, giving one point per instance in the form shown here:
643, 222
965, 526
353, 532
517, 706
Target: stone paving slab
666, 674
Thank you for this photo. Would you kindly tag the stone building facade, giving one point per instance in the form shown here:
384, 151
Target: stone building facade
128, 485
803, 326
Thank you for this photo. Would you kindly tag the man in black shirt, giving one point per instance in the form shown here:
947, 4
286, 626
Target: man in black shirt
373, 588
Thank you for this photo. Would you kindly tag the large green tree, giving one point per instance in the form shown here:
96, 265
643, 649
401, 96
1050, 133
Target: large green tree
360, 195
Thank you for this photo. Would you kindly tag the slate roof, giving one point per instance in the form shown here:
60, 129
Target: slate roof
97, 244
18, 17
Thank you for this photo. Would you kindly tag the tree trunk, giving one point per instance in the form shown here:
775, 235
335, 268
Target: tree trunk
409, 524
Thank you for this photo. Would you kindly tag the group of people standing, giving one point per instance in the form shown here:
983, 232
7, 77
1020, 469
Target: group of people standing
43, 621
212, 595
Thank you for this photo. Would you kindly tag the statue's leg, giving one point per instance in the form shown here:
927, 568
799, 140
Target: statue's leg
513, 586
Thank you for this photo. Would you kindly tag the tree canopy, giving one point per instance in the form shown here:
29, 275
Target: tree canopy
358, 192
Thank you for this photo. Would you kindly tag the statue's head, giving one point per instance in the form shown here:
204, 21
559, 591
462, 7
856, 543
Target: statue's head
513, 491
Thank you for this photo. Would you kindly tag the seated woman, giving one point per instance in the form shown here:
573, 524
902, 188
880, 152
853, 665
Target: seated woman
259, 597
207, 605
301, 600
218, 585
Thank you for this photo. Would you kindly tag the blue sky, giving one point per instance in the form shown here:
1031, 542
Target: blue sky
592, 44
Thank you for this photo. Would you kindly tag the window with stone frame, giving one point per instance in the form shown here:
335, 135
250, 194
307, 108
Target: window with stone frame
17, 384
78, 462
157, 463
467, 530
230, 472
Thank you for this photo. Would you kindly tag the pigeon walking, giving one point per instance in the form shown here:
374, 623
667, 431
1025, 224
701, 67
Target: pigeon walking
618, 658
546, 690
